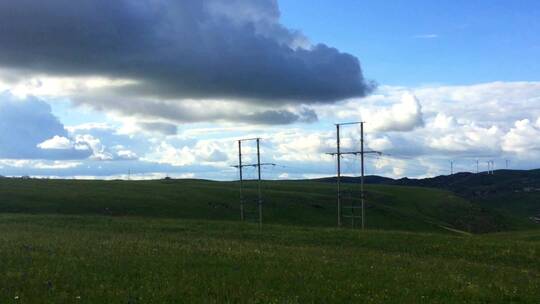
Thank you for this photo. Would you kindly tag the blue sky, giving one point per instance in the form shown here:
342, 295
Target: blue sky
422, 42
174, 85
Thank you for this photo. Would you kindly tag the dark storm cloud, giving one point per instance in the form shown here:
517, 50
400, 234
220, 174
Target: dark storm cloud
188, 49
159, 127
280, 117
190, 112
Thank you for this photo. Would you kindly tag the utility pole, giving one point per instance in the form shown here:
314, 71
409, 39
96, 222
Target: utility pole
507, 161
338, 154
257, 165
259, 181
451, 167
362, 174
477, 166
241, 180
338, 176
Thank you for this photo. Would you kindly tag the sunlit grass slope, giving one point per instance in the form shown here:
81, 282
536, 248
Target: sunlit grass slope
291, 202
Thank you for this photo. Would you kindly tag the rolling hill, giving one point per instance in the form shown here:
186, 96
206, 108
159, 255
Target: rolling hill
512, 193
305, 203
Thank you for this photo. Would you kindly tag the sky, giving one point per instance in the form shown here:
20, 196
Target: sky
99, 89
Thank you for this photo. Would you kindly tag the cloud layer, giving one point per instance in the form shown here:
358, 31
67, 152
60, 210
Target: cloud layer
419, 130
167, 57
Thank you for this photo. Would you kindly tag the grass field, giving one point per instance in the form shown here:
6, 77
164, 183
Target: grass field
522, 203
291, 203
180, 241
98, 259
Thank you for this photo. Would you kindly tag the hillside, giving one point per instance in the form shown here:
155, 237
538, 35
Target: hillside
464, 183
481, 184
513, 193
285, 202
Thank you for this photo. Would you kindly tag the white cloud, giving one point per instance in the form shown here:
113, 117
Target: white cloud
426, 36
57, 142
380, 143
297, 145
391, 167
495, 103
284, 175
57, 164
216, 153
54, 86
166, 153
449, 136
522, 139
138, 176
126, 154
442, 121
17, 163
39, 164
387, 110
99, 151
86, 127
403, 116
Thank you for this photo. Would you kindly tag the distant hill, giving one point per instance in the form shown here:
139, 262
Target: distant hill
368, 179
512, 191
481, 184
516, 192
499, 181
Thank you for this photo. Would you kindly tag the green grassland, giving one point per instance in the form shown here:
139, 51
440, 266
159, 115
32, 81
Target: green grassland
510, 192
523, 204
181, 241
98, 259
292, 203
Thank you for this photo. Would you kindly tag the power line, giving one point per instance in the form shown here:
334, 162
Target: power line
338, 154
257, 165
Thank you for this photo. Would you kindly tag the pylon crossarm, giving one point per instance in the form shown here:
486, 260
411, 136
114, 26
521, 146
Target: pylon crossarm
254, 165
